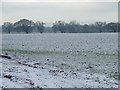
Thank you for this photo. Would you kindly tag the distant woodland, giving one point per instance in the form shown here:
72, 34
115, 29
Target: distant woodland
28, 26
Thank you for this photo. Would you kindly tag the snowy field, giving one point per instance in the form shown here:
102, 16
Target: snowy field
60, 60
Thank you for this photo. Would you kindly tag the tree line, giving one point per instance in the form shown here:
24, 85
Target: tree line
28, 26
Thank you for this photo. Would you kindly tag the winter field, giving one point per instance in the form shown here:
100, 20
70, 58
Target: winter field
60, 60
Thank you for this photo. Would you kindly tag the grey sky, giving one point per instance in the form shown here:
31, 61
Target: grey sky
83, 12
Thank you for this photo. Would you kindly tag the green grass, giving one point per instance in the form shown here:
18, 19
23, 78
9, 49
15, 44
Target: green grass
34, 52
56, 52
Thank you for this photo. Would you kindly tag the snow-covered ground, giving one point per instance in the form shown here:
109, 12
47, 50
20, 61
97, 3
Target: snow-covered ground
60, 60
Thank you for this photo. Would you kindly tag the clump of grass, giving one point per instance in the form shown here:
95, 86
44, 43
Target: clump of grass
115, 75
64, 66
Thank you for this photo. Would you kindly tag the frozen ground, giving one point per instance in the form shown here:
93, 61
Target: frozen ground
60, 60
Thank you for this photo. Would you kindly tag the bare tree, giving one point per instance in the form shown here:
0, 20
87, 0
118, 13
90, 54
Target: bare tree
25, 25
7, 27
40, 26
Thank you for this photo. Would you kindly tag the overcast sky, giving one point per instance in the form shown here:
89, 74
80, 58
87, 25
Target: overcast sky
49, 12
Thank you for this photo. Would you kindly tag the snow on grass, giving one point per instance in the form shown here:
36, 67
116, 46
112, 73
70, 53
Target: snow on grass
60, 60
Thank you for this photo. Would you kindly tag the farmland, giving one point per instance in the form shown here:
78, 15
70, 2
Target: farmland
71, 60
